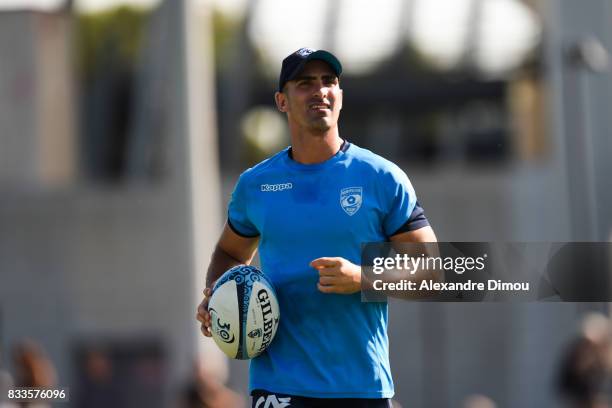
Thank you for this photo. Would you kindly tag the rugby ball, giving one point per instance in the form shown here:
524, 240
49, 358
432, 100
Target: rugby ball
244, 312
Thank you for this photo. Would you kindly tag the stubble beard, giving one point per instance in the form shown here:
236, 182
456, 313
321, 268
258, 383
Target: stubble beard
316, 124
319, 126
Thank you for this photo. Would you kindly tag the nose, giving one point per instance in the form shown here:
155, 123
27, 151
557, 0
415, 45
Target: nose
321, 90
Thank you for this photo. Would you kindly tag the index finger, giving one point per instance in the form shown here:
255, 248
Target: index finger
325, 262
202, 309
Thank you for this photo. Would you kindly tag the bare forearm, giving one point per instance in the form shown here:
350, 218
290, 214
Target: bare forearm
220, 262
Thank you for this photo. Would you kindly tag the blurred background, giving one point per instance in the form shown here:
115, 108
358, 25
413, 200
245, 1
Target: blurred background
125, 124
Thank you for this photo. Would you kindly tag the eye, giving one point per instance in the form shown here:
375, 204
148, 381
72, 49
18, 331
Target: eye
330, 81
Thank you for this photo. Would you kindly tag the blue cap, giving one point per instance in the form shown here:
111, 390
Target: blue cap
294, 63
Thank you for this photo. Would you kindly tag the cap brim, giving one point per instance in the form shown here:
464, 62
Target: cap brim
327, 57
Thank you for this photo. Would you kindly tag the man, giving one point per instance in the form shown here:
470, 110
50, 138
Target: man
308, 209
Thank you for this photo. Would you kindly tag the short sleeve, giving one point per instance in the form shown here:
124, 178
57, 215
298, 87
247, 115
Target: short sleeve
400, 198
416, 221
237, 211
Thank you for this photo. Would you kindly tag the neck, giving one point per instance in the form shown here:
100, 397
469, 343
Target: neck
309, 148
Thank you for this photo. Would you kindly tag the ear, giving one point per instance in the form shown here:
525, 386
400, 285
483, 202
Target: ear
281, 101
341, 97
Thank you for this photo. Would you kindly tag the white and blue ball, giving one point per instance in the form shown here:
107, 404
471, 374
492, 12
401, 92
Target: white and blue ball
244, 312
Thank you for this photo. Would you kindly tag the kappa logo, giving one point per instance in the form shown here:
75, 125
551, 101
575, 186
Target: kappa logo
350, 199
276, 187
272, 401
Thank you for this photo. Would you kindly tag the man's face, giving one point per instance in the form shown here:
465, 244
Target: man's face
313, 99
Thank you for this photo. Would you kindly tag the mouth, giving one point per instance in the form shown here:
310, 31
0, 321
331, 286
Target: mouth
319, 107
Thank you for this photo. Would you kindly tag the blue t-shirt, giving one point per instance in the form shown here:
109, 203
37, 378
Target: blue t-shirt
327, 345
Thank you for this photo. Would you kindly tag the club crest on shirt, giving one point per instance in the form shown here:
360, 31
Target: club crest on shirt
350, 199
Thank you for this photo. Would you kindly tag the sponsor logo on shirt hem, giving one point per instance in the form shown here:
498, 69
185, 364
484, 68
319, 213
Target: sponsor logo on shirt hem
272, 401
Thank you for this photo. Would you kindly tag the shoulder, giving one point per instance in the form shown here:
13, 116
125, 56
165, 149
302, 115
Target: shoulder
372, 162
271, 164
